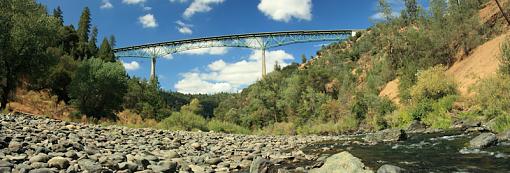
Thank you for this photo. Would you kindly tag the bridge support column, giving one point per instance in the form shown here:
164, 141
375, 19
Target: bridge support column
263, 62
153, 68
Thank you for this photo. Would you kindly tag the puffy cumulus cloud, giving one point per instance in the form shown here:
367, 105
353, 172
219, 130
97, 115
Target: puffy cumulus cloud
207, 51
221, 76
148, 21
131, 66
184, 28
285, 10
200, 6
194, 84
106, 4
133, 1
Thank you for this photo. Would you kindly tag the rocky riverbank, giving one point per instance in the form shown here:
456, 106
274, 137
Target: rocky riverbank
35, 144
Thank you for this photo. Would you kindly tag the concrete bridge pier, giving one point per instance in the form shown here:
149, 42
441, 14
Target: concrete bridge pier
153, 68
263, 62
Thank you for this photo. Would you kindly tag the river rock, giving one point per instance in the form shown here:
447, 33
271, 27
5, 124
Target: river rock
341, 163
58, 162
483, 140
41, 157
416, 127
261, 165
5, 169
387, 135
89, 165
43, 170
390, 169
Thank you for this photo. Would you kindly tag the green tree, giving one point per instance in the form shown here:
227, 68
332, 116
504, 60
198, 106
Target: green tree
92, 42
105, 51
58, 14
98, 88
410, 13
84, 25
27, 32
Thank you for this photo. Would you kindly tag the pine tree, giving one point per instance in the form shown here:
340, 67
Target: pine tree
84, 25
105, 51
410, 14
113, 42
58, 14
92, 42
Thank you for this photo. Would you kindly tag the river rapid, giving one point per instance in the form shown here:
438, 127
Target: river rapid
433, 152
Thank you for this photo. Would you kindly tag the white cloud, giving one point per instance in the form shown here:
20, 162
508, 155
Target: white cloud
285, 10
106, 4
168, 56
147, 8
200, 6
207, 51
133, 65
148, 21
221, 76
184, 28
194, 84
133, 1
180, 1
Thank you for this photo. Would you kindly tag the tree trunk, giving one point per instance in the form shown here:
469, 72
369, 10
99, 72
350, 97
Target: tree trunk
503, 12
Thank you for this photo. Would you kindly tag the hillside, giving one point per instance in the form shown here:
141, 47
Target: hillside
480, 63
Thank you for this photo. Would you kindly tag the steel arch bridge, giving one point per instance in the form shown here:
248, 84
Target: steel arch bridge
260, 41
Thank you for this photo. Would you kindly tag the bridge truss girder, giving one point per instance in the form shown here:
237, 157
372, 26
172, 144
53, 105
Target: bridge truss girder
260, 41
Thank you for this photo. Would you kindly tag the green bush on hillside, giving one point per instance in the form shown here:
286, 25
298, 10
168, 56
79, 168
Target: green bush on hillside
226, 127
501, 123
433, 84
492, 96
184, 121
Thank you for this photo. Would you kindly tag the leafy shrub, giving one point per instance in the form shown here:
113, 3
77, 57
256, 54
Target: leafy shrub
98, 88
439, 117
184, 121
400, 118
433, 84
501, 123
347, 124
492, 95
282, 128
504, 67
226, 127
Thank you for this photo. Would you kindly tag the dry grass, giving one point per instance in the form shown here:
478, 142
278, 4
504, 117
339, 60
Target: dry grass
40, 103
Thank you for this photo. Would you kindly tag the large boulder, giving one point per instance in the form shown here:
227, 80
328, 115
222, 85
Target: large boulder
387, 135
390, 169
341, 163
483, 140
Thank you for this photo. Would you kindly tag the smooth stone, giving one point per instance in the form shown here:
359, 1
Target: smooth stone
387, 135
196, 146
261, 165
213, 161
483, 140
341, 163
43, 170
58, 162
128, 165
5, 169
390, 169
41, 157
89, 165
4, 163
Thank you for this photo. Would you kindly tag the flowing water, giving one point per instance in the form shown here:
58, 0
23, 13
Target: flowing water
437, 152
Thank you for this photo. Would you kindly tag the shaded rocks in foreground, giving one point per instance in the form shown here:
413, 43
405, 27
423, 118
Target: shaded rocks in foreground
483, 140
341, 163
387, 135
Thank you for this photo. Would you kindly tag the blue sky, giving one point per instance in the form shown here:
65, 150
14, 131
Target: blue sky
135, 22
